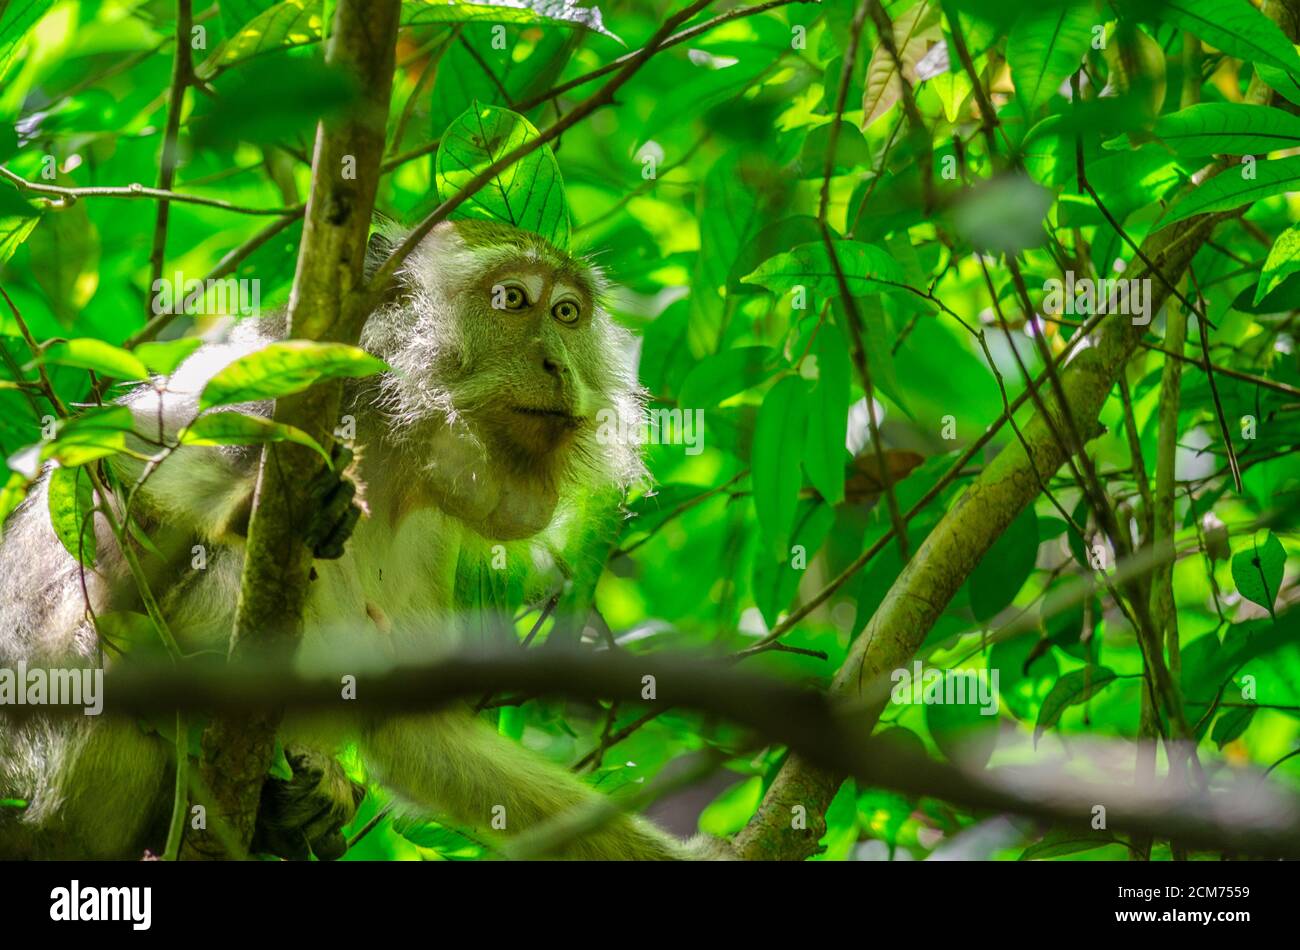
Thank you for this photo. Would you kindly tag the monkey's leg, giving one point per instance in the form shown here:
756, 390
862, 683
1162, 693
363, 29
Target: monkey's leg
95, 790
457, 764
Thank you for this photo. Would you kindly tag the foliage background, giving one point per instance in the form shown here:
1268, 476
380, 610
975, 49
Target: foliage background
699, 192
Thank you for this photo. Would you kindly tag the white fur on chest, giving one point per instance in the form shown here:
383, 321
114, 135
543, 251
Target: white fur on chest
395, 587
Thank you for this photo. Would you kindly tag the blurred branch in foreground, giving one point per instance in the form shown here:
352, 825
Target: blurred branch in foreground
1243, 817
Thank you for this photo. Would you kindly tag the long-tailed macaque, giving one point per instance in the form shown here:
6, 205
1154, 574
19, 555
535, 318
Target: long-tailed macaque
482, 442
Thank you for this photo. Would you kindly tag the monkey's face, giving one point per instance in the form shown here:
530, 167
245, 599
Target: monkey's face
529, 385
507, 372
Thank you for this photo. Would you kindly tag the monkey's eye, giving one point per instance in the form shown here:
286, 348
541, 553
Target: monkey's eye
566, 311
509, 297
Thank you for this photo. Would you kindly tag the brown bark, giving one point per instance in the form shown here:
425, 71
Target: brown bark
329, 301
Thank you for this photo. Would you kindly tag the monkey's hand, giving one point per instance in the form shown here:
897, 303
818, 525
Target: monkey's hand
338, 508
304, 816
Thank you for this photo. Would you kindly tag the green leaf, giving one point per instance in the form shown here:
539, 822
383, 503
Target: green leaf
415, 12
825, 454
963, 733
729, 217
72, 499
307, 89
65, 258
1047, 43
14, 205
163, 358
1280, 81
1283, 261
914, 32
287, 367
298, 23
280, 767
1229, 189
285, 25
1005, 566
1235, 27
130, 633
1062, 841
528, 195
16, 20
13, 232
776, 475
1257, 570
1228, 128
776, 579
429, 834
1232, 724
103, 358
12, 494
1026, 670
725, 374
809, 266
90, 436
1070, 690
236, 428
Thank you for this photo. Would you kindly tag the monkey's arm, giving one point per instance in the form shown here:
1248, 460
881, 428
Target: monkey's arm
456, 764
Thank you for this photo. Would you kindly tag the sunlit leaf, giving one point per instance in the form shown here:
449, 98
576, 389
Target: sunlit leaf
163, 358
16, 21
1234, 187
286, 367
236, 428
1046, 45
914, 32
1283, 261
1234, 26
297, 23
12, 494
71, 498
528, 195
1228, 128
103, 358
92, 435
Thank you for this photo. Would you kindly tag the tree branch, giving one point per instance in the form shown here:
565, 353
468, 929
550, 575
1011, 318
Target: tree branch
182, 71
1249, 817
328, 302
953, 549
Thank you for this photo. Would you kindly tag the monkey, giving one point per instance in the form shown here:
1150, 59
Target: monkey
480, 440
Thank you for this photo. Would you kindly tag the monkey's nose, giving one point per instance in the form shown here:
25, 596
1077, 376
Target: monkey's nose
554, 367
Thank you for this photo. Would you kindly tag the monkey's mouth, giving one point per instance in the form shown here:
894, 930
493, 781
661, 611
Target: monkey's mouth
557, 416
